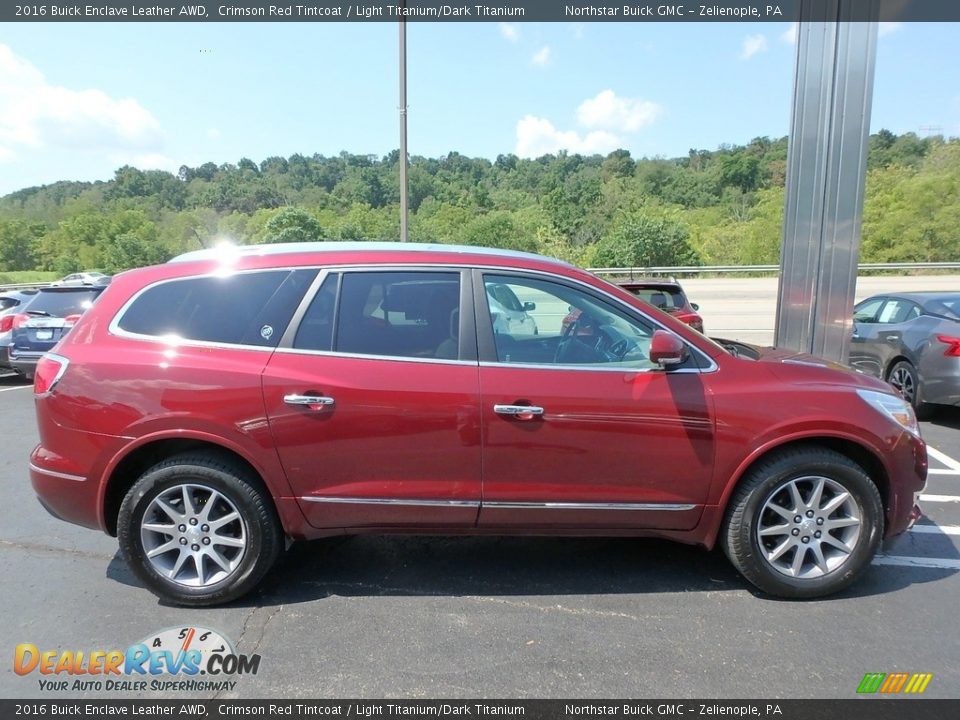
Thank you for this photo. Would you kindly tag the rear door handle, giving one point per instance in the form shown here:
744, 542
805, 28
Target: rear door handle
314, 402
520, 412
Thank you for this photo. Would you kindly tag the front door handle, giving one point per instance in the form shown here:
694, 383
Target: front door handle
313, 402
520, 412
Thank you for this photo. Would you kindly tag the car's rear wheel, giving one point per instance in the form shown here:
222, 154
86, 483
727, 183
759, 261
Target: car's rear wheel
904, 378
803, 523
198, 530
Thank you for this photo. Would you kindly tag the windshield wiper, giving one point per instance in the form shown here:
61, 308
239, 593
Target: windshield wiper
39, 312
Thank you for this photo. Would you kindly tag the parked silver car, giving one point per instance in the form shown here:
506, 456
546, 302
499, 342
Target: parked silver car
911, 340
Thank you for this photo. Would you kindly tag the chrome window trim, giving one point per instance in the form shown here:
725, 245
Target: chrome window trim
360, 356
642, 507
589, 368
54, 473
391, 501
322, 270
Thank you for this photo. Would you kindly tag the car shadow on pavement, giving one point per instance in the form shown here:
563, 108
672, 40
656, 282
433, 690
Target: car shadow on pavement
394, 565
947, 417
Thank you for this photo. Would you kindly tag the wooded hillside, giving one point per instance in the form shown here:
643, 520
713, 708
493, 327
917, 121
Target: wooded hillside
710, 207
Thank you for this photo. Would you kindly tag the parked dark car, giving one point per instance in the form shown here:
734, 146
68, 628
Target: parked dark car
44, 321
11, 302
208, 409
911, 340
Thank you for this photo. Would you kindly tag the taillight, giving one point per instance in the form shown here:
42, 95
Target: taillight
72, 319
952, 343
12, 322
50, 369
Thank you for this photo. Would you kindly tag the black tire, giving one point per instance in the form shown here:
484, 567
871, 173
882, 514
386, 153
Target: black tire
904, 378
749, 510
257, 526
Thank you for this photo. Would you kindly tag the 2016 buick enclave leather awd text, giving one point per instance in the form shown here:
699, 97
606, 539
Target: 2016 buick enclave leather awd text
207, 409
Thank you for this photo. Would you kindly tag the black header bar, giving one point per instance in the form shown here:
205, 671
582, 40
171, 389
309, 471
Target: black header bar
581, 709
472, 11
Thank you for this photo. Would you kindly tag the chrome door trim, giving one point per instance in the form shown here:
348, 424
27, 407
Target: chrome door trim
671, 507
413, 502
642, 507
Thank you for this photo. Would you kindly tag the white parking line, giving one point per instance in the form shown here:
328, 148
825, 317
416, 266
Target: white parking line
936, 529
16, 387
943, 459
921, 562
941, 498
938, 471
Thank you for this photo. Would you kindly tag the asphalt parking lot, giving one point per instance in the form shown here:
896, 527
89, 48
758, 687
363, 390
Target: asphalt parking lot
411, 617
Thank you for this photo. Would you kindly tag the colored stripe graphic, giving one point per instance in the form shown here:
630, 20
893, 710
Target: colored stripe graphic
918, 683
871, 682
893, 683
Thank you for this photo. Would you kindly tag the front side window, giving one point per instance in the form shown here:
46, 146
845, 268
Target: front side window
238, 309
561, 325
399, 314
867, 311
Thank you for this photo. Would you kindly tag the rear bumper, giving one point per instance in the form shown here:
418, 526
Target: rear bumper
66, 496
25, 362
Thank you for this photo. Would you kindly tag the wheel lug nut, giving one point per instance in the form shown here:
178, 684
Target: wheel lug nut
806, 539
195, 547
817, 534
183, 541
182, 528
795, 531
809, 513
205, 528
819, 521
193, 521
798, 519
206, 541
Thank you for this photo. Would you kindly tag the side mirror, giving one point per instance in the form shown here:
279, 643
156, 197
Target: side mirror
667, 349
529, 306
695, 306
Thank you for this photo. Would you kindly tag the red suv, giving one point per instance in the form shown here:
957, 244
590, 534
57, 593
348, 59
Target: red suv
208, 409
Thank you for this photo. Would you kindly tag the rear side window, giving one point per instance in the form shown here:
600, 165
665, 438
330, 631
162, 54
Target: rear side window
399, 314
243, 309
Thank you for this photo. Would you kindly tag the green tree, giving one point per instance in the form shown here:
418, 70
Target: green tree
293, 224
18, 244
642, 239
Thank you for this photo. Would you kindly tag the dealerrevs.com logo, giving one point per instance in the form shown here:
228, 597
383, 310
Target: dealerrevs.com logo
189, 659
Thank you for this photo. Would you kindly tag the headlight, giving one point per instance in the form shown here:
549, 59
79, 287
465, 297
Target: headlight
895, 408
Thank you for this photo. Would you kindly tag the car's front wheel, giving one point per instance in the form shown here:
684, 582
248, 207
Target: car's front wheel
198, 530
803, 523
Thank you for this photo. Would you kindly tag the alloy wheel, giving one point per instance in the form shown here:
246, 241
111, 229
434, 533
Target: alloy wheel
808, 527
193, 535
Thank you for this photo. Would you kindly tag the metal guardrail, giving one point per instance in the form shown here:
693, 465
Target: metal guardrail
707, 269
24, 286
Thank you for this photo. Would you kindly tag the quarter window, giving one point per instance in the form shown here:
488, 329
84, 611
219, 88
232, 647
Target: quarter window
240, 309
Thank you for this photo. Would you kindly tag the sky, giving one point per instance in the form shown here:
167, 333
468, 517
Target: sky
77, 101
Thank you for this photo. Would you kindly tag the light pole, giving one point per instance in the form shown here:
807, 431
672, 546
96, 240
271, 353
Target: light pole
403, 129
